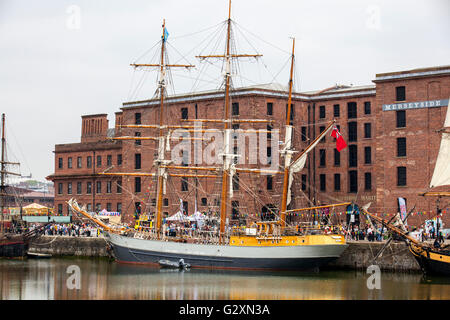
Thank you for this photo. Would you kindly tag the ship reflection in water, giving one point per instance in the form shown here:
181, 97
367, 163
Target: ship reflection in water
103, 280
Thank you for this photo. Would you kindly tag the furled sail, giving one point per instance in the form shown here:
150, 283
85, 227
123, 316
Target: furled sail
299, 163
441, 174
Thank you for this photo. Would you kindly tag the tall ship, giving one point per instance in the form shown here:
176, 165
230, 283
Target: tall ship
270, 242
13, 243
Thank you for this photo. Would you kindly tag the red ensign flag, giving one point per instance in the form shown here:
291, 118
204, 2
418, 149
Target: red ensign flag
340, 142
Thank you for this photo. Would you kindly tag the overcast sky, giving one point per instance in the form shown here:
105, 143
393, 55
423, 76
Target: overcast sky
61, 59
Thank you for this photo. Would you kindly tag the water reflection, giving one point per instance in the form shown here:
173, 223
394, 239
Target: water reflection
101, 280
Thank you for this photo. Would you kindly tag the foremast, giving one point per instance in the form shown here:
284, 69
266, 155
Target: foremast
3, 174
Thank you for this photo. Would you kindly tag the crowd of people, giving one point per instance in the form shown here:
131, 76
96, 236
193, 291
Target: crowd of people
70, 229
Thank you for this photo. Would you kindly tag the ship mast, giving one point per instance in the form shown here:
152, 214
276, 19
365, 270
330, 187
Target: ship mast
226, 174
161, 163
288, 143
3, 172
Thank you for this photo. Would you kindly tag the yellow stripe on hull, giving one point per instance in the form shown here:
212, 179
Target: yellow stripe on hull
283, 241
433, 256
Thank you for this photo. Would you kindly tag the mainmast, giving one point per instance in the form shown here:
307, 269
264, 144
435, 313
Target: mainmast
288, 143
226, 174
161, 163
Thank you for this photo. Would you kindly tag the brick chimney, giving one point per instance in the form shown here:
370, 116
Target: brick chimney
94, 127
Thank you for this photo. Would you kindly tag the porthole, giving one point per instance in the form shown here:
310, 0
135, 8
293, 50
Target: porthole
287, 241
293, 241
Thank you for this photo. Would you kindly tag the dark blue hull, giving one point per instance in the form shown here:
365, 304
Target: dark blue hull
13, 249
136, 256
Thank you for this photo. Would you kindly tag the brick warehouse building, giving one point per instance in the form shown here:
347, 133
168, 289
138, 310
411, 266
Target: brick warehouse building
389, 126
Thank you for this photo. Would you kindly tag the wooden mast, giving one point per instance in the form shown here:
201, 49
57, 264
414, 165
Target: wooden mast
224, 196
227, 123
288, 141
161, 170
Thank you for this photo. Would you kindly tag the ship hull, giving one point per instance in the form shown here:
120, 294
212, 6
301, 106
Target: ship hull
210, 256
433, 262
13, 249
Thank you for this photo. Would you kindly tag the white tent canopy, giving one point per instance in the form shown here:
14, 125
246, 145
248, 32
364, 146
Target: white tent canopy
178, 217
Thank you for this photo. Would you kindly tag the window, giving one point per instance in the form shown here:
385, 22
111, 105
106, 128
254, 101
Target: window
367, 130
99, 161
99, 187
321, 129
236, 181
119, 207
323, 182
367, 155
235, 108
336, 111
109, 160
153, 202
352, 131
185, 158
60, 208
137, 161
79, 162
88, 187
401, 118
400, 93
269, 183
137, 118
322, 112
137, 142
165, 202
60, 188
351, 110
337, 157
60, 163
234, 210
69, 188
367, 181
69, 163
204, 202
269, 133
269, 155
89, 162
137, 208
235, 152
98, 207
137, 184
292, 114
367, 107
89, 207
269, 108
353, 181
304, 134
184, 184
79, 188
401, 147
119, 159
303, 182
322, 157
352, 156
108, 207
184, 113
401, 176
119, 186
337, 182
108, 186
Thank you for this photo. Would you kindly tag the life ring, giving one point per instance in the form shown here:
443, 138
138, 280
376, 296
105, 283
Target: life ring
327, 230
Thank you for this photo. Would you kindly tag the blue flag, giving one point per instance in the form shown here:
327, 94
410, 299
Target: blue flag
166, 34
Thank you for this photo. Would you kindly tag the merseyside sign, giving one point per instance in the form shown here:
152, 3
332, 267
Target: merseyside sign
415, 105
